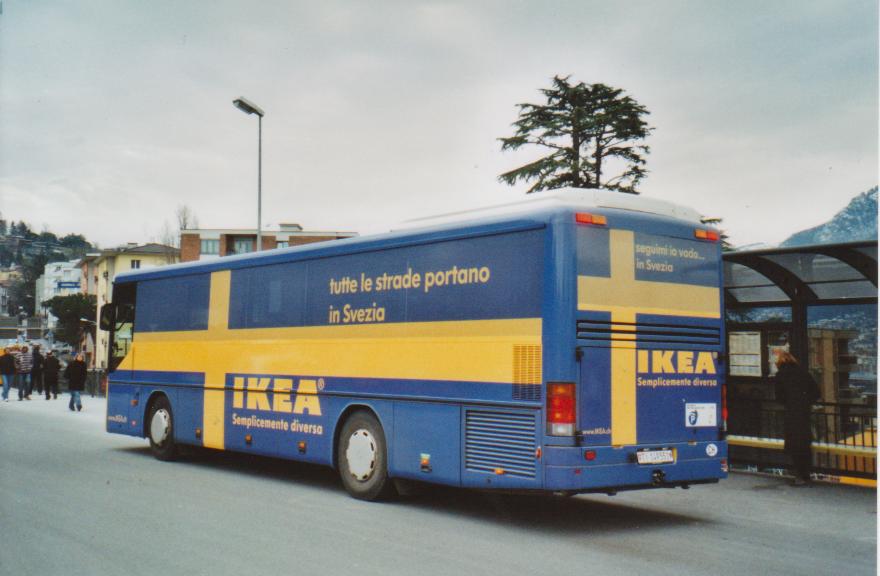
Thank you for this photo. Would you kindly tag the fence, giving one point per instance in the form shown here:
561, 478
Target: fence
96, 383
844, 437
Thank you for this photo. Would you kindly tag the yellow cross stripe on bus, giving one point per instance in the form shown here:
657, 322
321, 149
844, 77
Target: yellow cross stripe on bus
624, 296
623, 293
469, 350
214, 409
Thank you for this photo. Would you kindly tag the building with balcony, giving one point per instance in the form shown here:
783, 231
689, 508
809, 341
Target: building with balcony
4, 298
101, 268
204, 243
58, 279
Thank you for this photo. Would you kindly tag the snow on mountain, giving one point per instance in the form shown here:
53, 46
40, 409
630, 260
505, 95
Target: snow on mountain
858, 221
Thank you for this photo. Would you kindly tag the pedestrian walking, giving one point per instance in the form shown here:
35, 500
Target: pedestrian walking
51, 367
796, 389
37, 371
76, 380
7, 371
24, 364
16, 379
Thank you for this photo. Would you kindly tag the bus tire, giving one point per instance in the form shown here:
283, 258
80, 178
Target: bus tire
160, 430
362, 458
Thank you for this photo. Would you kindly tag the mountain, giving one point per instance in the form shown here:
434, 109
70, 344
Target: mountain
858, 221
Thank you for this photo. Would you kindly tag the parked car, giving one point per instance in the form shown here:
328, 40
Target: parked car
63, 349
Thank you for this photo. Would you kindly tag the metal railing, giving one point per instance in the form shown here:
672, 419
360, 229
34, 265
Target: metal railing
95, 383
844, 437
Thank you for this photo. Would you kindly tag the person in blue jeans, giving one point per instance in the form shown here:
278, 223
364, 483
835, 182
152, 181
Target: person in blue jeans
24, 363
7, 371
76, 380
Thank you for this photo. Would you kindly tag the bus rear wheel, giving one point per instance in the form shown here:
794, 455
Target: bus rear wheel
362, 458
160, 429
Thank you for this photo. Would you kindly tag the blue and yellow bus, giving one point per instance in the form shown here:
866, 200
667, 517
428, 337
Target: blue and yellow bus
568, 343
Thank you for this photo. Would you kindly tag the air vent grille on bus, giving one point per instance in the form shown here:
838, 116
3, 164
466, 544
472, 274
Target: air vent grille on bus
527, 373
500, 440
675, 335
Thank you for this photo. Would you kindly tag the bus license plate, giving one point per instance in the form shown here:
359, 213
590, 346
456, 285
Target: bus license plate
655, 457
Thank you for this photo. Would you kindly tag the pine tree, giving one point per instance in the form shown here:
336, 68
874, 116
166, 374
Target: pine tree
584, 126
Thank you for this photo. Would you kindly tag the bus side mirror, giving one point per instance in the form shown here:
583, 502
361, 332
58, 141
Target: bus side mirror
108, 316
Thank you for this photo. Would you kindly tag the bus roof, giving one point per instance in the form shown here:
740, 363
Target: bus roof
574, 198
528, 213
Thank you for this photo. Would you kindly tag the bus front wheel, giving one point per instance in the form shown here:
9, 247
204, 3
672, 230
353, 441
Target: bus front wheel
362, 458
160, 429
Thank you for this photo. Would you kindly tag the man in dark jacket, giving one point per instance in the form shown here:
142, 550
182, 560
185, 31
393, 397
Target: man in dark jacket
797, 390
76, 380
51, 367
7, 371
37, 371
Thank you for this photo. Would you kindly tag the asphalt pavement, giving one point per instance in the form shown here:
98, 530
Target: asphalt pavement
76, 500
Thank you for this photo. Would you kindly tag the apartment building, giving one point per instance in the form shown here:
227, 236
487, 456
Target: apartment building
204, 243
99, 270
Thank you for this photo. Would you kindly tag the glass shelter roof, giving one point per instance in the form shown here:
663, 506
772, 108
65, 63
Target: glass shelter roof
823, 274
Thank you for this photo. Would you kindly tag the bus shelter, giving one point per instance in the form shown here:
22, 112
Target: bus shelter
820, 304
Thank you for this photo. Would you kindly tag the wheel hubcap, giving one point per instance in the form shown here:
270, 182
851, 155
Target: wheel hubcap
361, 455
160, 424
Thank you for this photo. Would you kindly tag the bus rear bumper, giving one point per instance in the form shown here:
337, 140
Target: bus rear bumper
573, 469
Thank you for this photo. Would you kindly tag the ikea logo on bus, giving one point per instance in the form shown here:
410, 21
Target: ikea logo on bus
676, 362
273, 394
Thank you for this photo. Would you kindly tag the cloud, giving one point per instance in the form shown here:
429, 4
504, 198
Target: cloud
112, 114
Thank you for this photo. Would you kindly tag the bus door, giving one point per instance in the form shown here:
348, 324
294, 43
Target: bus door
120, 361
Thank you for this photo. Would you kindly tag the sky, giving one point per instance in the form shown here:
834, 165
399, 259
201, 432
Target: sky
115, 112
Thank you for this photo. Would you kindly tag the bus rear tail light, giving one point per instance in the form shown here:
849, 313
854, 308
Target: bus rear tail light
594, 219
710, 235
724, 404
561, 411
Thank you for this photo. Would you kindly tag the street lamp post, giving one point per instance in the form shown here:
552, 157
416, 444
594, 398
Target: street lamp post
249, 107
